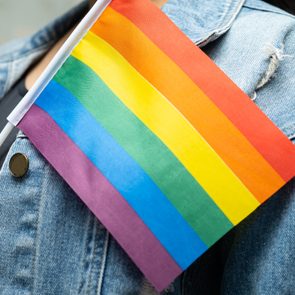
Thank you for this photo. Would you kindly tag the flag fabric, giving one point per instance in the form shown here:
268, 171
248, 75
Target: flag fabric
159, 143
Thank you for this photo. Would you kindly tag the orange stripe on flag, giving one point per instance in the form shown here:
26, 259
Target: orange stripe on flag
245, 161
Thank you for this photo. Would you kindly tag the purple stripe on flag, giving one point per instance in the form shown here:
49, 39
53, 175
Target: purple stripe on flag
101, 197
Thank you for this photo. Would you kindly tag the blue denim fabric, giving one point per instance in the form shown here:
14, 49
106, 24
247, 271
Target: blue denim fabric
50, 243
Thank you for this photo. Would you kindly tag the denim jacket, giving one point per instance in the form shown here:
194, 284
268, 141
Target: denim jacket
47, 249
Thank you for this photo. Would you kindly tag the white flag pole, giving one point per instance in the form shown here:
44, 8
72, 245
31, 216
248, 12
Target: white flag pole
60, 57
5, 132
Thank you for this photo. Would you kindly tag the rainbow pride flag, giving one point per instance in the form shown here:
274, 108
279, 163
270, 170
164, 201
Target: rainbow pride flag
157, 141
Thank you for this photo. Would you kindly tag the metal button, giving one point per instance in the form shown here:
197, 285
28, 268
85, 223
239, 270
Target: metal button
18, 165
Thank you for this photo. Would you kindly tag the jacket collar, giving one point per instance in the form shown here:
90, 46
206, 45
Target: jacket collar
201, 23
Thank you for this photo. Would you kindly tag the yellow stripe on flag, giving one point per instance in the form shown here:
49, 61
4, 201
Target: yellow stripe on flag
163, 119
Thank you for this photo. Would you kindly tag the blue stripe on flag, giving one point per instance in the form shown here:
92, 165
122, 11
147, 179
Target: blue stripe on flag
163, 219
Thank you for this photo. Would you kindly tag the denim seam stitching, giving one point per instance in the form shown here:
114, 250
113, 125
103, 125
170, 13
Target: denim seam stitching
91, 254
226, 24
284, 13
220, 31
84, 258
41, 207
103, 263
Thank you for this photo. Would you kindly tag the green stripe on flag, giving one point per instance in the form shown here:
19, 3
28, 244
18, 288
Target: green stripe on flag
177, 184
